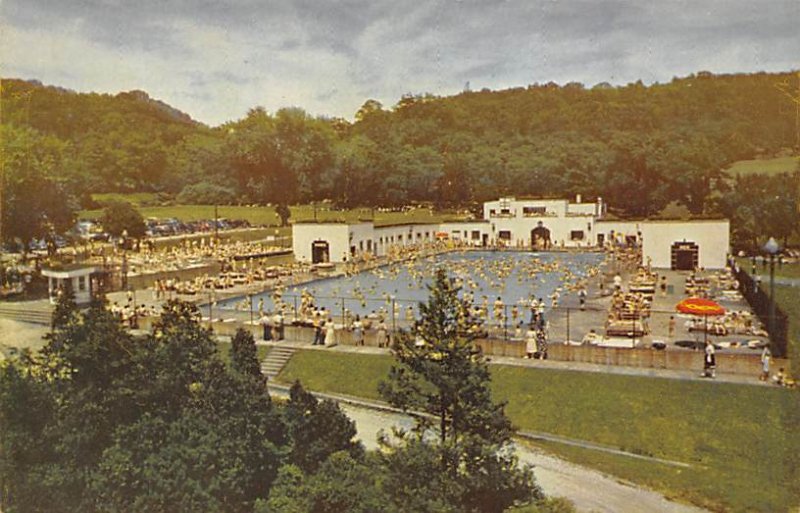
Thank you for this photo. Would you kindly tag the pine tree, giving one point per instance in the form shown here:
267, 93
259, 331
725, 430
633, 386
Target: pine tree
244, 357
442, 374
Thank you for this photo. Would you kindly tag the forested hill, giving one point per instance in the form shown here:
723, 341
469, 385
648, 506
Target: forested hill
105, 141
639, 146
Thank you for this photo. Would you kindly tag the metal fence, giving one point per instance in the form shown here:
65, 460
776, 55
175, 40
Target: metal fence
760, 301
510, 322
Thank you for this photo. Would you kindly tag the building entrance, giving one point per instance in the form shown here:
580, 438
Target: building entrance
540, 236
685, 256
320, 252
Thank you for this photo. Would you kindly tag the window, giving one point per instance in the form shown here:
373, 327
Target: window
82, 283
504, 235
465, 234
361, 245
534, 211
476, 235
492, 212
576, 235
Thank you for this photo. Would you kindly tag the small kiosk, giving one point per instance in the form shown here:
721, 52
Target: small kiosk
76, 277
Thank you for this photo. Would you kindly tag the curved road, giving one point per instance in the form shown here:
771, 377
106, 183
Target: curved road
588, 489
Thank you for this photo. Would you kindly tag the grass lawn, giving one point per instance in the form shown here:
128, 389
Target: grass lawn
736, 437
765, 166
266, 216
787, 298
225, 351
787, 270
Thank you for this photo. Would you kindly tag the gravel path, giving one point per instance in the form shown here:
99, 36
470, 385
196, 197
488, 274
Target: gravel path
589, 489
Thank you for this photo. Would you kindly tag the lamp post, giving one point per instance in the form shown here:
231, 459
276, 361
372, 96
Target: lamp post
771, 247
216, 224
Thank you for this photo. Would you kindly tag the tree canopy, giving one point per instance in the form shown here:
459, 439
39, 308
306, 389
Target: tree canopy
639, 147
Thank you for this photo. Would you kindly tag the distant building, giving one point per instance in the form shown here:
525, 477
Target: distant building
75, 277
528, 223
543, 223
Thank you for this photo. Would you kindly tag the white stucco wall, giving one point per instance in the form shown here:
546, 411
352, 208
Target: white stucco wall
335, 234
561, 229
463, 231
617, 230
711, 236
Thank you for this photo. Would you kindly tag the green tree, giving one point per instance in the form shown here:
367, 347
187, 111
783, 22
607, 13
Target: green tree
244, 356
317, 429
342, 483
447, 378
35, 200
282, 209
205, 193
120, 217
158, 423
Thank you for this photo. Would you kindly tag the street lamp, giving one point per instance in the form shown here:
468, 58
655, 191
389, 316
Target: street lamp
772, 248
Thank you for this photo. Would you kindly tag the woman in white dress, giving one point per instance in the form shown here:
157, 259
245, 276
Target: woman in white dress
531, 348
330, 334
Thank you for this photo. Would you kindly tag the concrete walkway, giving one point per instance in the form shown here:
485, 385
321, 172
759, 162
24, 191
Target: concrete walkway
685, 375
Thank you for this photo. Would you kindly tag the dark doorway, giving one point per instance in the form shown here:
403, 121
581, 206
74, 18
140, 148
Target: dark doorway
540, 236
320, 252
685, 256
601, 239
485, 239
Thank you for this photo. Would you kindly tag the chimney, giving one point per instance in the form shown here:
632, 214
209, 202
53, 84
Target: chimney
577, 198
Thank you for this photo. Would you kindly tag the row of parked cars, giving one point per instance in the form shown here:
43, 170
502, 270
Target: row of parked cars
167, 227
92, 230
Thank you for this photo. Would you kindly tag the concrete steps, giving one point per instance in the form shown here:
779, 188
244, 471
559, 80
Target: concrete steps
275, 361
23, 312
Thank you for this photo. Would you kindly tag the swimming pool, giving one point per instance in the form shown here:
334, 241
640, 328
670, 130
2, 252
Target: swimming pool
487, 275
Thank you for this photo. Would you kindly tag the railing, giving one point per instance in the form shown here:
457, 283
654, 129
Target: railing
759, 300
568, 324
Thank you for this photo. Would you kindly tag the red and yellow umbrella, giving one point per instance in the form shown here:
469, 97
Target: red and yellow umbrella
700, 306
703, 307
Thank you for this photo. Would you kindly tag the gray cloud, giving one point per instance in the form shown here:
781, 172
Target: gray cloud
216, 59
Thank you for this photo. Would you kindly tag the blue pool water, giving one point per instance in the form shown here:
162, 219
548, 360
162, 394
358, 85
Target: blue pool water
512, 276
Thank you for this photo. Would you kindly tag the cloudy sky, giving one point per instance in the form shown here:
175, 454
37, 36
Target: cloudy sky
215, 59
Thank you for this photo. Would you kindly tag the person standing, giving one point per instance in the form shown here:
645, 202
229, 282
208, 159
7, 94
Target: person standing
617, 282
330, 333
709, 361
317, 324
358, 332
277, 326
765, 360
383, 335
671, 326
530, 343
267, 328
582, 298
541, 342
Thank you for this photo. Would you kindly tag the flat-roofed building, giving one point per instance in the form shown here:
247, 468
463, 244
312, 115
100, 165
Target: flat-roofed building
74, 277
